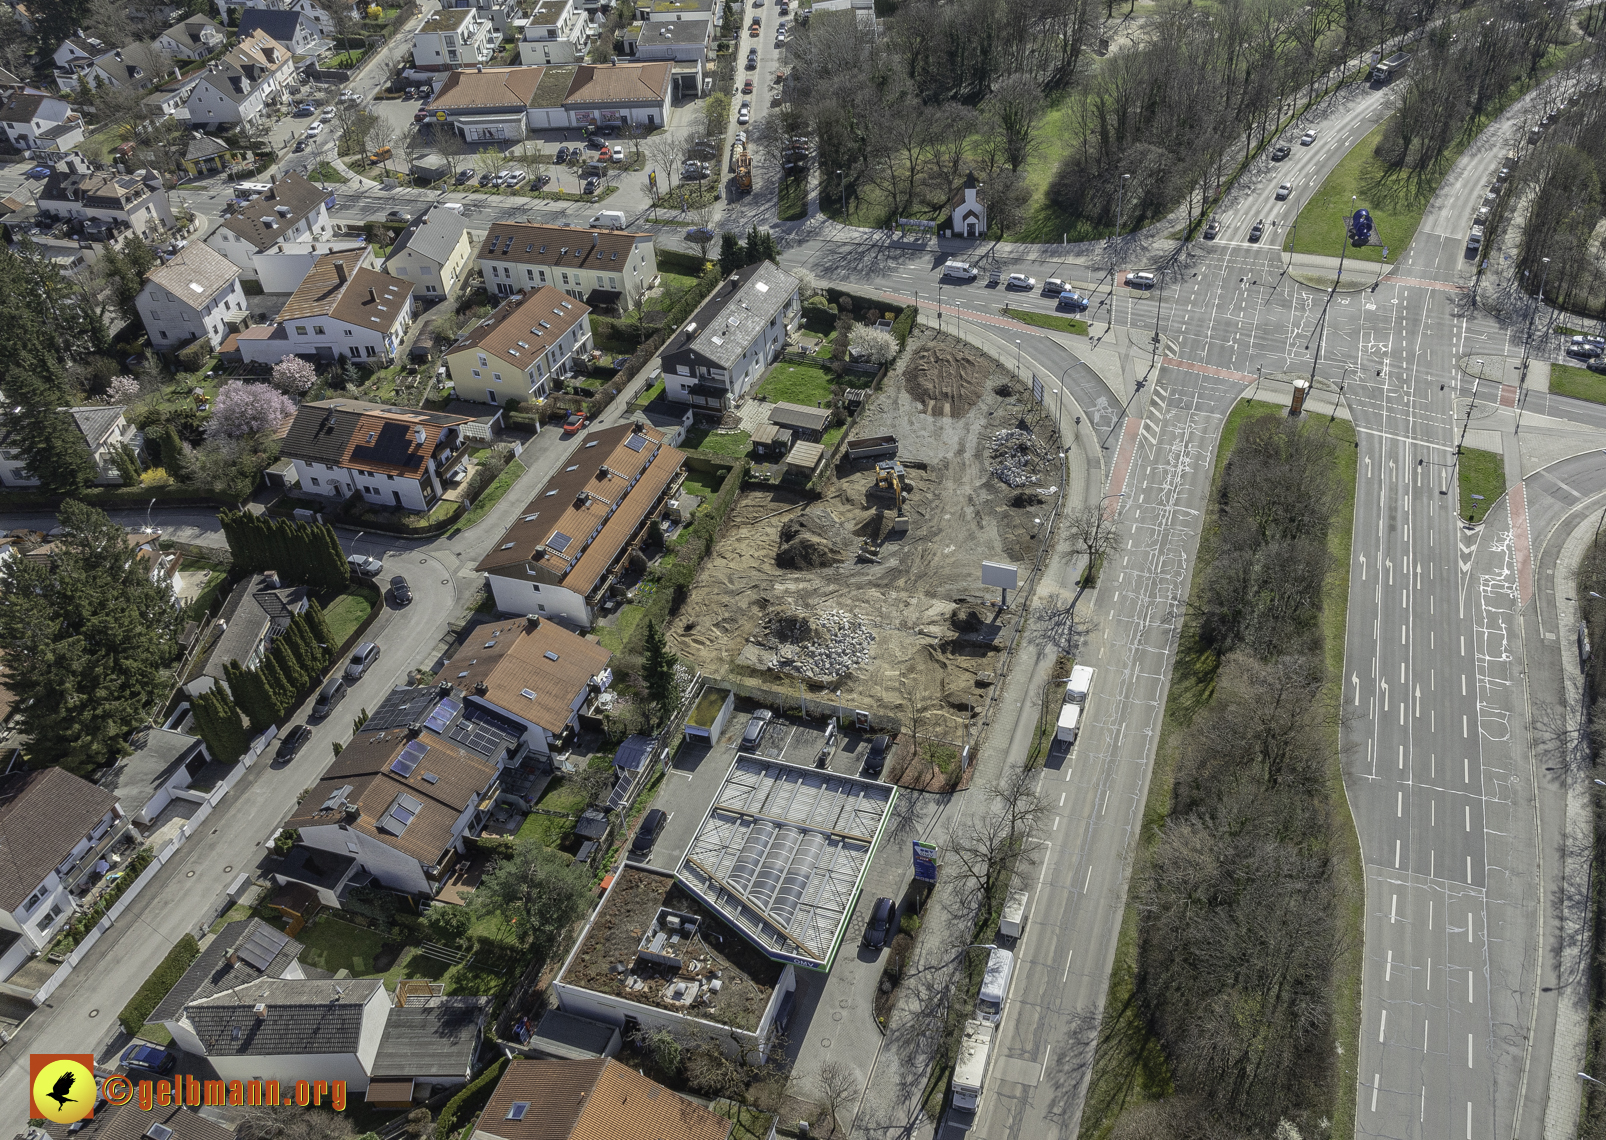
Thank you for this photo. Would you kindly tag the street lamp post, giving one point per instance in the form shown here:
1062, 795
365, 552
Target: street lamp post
842, 186
1017, 358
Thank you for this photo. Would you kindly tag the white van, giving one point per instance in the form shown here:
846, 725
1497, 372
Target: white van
608, 219
1081, 681
1013, 920
1067, 728
995, 987
960, 270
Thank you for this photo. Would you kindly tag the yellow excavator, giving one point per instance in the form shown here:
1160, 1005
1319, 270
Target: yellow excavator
890, 475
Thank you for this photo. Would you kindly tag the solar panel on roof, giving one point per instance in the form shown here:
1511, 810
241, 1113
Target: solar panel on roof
636, 442
404, 764
442, 716
408, 802
263, 946
559, 541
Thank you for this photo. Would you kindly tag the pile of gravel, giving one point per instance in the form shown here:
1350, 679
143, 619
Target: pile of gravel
818, 646
1016, 457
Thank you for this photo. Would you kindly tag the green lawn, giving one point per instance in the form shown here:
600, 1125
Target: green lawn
613, 637
334, 945
550, 830
794, 200
793, 383
491, 495
703, 484
736, 444
1481, 473
348, 611
1048, 321
1579, 383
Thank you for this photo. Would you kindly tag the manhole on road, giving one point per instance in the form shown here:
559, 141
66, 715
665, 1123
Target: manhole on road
94, 1013
825, 1043
836, 1016
189, 874
226, 870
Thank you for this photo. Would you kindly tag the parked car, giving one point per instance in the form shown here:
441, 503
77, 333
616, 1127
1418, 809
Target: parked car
401, 216
463, 176
301, 145
590, 187
1070, 299
328, 114
652, 825
367, 653
151, 1058
1281, 151
363, 566
618, 153
305, 111
1284, 190
878, 931
420, 115
332, 693
574, 423
1256, 230
700, 233
743, 116
752, 63
350, 96
876, 758
1307, 138
1020, 281
542, 180
757, 725
1583, 350
39, 172
487, 178
512, 179
1597, 365
1143, 280
959, 269
1211, 230
747, 86
400, 591
315, 130
290, 743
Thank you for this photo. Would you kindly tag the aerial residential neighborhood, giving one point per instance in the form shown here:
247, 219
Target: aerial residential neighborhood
713, 570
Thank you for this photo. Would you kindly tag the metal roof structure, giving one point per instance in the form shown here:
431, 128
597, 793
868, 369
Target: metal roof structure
781, 855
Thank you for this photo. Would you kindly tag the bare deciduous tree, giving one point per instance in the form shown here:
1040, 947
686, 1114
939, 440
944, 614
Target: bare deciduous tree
1092, 530
838, 1086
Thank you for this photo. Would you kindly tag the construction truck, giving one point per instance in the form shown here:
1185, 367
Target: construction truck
744, 170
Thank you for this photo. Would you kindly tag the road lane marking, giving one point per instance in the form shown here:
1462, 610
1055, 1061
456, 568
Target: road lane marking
1396, 854
1089, 879
1383, 1022
1388, 966
1469, 913
1399, 804
1377, 1079
1429, 986
1394, 906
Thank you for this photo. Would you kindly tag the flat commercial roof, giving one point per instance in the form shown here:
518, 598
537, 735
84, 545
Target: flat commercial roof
782, 853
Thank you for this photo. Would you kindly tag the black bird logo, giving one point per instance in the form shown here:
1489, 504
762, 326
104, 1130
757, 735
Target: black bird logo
58, 1092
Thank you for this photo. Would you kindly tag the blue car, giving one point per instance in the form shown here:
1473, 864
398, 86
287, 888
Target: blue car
143, 1055
39, 172
305, 111
1072, 300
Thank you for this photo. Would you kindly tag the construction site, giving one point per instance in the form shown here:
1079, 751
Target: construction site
840, 590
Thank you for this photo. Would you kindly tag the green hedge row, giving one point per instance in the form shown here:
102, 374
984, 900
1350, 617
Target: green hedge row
470, 1099
860, 304
905, 324
686, 264
156, 987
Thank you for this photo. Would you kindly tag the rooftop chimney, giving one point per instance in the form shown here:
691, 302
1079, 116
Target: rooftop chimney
596, 240
532, 621
373, 294
419, 433
340, 272
261, 1010
272, 578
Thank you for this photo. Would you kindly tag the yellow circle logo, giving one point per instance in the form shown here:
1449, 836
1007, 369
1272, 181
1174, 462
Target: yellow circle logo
64, 1091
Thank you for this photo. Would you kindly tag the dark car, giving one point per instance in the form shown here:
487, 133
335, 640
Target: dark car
1212, 230
878, 930
1281, 151
563, 155
647, 833
590, 186
877, 759
594, 142
290, 743
699, 233
1256, 230
332, 693
401, 591
574, 423
487, 178
1597, 365
152, 1058
305, 111
542, 181
301, 145
756, 727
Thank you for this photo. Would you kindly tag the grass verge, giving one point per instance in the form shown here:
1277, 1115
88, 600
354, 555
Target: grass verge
1048, 321
735, 444
1579, 383
166, 975
1482, 476
491, 496
347, 612
794, 205
1129, 1066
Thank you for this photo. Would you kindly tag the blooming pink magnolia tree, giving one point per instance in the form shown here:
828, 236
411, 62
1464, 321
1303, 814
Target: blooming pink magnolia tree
243, 409
293, 376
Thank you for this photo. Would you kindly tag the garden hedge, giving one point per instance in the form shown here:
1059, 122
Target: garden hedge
156, 987
905, 324
469, 1100
686, 264
862, 304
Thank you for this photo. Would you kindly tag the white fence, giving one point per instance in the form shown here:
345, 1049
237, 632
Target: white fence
208, 802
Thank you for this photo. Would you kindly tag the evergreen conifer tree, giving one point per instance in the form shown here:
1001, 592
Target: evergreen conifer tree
251, 695
658, 671
319, 626
295, 676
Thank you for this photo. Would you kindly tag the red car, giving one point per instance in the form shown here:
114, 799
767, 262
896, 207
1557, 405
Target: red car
574, 423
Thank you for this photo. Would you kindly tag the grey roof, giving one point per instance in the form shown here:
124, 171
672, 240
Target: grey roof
293, 192
252, 607
433, 234
192, 29
96, 423
135, 780
213, 973
280, 25
633, 753
430, 1035
204, 146
680, 32
788, 415
735, 315
569, 1038
303, 1015
316, 868
196, 275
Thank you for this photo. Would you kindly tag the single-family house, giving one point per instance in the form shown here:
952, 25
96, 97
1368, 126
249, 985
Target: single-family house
190, 296
134, 201
207, 155
403, 799
239, 87
35, 121
737, 333
536, 672
194, 37
688, 44
573, 538
529, 343
967, 212
54, 830
392, 457
616, 93
556, 32
454, 38
163, 761
588, 1099
103, 430
75, 51
166, 101
487, 104
294, 29
607, 269
283, 266
257, 611
135, 67
432, 253
318, 13
342, 308
293, 209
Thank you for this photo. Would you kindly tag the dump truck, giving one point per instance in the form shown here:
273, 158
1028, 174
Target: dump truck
1385, 72
744, 171
872, 447
971, 1066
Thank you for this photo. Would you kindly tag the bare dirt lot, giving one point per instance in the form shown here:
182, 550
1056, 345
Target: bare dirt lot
785, 595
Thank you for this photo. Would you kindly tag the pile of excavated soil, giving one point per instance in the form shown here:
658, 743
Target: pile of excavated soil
1017, 457
814, 539
819, 646
947, 378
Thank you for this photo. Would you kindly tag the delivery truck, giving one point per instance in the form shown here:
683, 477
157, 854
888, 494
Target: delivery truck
971, 1067
1013, 921
1070, 714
